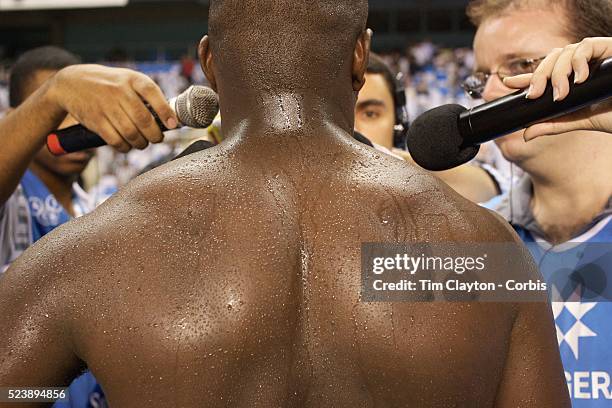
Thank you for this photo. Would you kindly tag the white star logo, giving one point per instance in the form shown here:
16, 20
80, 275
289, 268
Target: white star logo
579, 329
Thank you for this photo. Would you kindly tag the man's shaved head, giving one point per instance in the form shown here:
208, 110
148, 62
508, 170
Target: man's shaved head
285, 45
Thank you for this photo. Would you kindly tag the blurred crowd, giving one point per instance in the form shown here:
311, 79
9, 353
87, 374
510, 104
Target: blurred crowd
432, 75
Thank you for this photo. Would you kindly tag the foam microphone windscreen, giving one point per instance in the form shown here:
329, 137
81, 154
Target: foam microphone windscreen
434, 140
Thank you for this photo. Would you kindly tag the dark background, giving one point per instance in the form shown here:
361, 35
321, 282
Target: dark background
157, 30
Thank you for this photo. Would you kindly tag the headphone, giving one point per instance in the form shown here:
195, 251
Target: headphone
402, 123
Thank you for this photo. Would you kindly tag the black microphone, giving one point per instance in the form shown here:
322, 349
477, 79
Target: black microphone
451, 135
361, 138
197, 107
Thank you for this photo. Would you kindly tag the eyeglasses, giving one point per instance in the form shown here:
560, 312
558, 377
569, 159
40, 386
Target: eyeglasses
474, 85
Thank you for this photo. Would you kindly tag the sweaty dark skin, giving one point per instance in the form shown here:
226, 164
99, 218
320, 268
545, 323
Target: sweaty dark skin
231, 277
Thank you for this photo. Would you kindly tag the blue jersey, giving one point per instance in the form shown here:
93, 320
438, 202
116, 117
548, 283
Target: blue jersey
580, 272
46, 213
41, 214
84, 392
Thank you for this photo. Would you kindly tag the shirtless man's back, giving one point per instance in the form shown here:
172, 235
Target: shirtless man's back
232, 276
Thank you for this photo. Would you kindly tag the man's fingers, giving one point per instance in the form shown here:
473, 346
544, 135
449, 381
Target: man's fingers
539, 130
140, 116
120, 95
150, 92
595, 48
574, 121
100, 125
588, 49
542, 73
557, 67
126, 129
561, 71
518, 82
111, 137
580, 63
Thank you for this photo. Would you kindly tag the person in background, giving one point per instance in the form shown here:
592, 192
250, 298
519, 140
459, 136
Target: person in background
38, 191
562, 207
378, 105
377, 117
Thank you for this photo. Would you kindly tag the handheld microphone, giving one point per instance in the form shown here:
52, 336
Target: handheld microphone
196, 108
451, 135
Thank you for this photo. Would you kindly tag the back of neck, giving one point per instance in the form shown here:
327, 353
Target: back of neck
273, 115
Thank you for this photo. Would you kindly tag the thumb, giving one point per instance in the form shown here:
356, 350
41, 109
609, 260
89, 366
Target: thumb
564, 124
518, 82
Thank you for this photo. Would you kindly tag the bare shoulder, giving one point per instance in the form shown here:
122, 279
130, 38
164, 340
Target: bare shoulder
136, 220
74, 274
442, 213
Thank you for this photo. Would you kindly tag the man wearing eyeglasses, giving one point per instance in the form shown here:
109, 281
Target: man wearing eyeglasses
574, 58
566, 193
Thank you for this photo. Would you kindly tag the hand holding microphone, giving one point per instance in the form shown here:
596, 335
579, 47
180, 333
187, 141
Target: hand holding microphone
111, 103
451, 135
122, 108
557, 67
197, 107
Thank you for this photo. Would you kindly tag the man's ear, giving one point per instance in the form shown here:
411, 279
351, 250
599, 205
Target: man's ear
361, 56
206, 62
